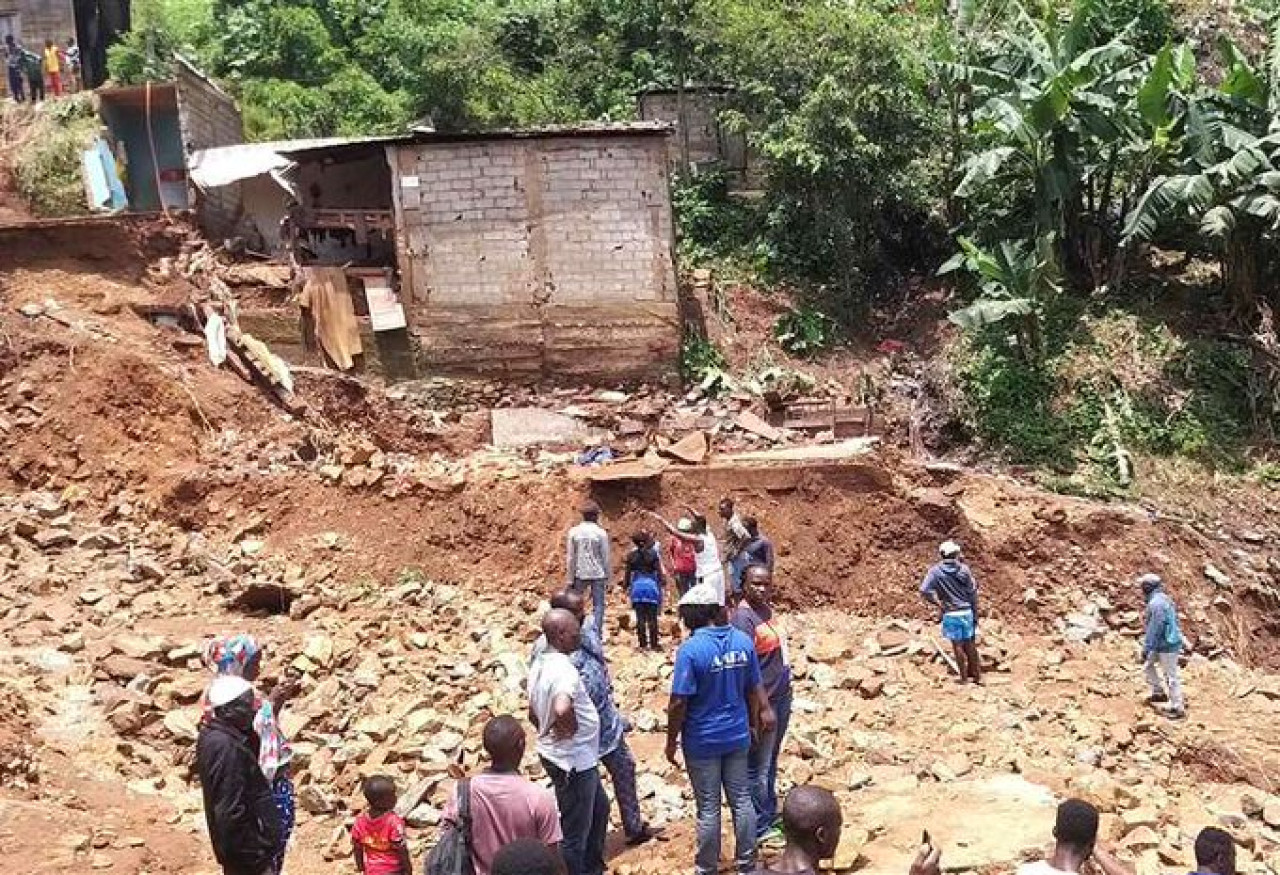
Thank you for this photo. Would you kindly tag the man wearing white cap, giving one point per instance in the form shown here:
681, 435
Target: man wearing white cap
718, 704
244, 824
950, 587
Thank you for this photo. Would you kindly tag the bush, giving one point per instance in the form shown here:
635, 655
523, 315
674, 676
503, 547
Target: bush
47, 169
711, 224
804, 332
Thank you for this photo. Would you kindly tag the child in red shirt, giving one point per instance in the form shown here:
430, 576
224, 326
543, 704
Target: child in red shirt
378, 835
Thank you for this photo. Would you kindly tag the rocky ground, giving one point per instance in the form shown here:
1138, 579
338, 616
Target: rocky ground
376, 544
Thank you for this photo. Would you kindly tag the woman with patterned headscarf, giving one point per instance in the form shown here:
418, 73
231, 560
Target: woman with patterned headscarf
241, 656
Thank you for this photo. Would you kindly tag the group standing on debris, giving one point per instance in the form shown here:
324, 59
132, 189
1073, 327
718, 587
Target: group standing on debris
728, 713
55, 70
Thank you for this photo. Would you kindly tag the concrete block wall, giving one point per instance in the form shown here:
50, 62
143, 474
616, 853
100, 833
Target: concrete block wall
38, 20
540, 256
209, 117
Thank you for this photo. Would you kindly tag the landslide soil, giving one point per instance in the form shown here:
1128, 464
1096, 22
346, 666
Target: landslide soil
129, 428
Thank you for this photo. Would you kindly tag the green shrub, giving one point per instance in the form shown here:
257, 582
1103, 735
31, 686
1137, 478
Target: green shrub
804, 332
710, 222
47, 170
700, 357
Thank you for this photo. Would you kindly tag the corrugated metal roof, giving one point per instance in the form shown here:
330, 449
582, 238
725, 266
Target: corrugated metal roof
586, 129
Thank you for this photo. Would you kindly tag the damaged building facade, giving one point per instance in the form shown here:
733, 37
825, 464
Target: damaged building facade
543, 254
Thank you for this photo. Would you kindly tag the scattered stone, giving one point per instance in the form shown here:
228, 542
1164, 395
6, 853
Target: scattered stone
871, 688
52, 539
893, 641
101, 540
1216, 576
1144, 838
313, 800
1271, 812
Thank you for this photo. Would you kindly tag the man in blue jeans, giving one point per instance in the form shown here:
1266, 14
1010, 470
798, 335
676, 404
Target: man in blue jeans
569, 744
755, 617
717, 704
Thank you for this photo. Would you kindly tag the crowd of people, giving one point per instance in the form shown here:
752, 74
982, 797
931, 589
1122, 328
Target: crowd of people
728, 713
32, 74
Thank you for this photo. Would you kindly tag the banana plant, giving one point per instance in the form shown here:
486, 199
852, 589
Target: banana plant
1056, 114
1228, 189
1015, 283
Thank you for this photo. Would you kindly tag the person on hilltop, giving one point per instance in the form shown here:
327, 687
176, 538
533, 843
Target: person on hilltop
1161, 646
717, 705
707, 567
615, 754
756, 618
1075, 833
812, 822
588, 564
643, 582
378, 842
240, 656
52, 60
505, 806
15, 59
950, 587
75, 74
569, 744
243, 822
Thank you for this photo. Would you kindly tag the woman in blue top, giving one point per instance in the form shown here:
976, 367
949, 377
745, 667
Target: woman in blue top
717, 705
643, 581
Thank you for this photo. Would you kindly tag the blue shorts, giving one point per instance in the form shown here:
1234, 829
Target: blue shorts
959, 625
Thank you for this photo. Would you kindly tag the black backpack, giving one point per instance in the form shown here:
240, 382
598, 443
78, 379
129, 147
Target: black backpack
452, 854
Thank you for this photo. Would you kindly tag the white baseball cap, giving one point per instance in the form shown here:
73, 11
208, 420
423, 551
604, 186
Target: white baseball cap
685, 524
701, 594
949, 549
227, 688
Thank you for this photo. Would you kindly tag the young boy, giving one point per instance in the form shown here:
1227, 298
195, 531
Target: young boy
643, 579
378, 842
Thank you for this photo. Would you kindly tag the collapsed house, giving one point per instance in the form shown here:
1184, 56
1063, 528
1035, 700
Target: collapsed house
139, 164
535, 254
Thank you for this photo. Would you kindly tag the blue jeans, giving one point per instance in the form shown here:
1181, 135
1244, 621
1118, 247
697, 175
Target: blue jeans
708, 777
584, 817
16, 88
580, 585
763, 765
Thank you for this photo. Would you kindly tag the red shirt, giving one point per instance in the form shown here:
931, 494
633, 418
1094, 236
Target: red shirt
382, 838
684, 559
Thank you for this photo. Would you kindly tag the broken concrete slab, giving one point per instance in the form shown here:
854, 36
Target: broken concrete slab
692, 448
532, 426
748, 421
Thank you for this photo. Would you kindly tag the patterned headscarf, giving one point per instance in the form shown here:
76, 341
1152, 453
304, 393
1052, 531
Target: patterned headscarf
230, 656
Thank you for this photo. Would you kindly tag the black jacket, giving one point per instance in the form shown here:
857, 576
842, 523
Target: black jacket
244, 824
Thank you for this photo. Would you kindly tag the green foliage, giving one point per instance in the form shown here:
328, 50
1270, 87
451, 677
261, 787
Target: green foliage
159, 29
700, 359
47, 170
711, 223
804, 332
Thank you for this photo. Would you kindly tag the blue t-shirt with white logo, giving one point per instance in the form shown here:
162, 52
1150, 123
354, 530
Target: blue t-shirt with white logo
716, 670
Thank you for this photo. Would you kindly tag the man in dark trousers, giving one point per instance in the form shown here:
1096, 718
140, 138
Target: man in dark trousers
950, 587
244, 825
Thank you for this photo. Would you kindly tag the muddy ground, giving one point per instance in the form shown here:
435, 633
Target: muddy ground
148, 501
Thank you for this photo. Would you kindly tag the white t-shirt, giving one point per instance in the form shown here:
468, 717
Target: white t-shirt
708, 567
1041, 867
551, 675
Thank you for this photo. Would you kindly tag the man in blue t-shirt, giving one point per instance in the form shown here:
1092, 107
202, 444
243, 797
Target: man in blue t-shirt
718, 704
949, 586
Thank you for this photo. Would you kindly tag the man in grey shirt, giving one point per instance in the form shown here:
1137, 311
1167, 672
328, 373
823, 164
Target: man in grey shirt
588, 561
